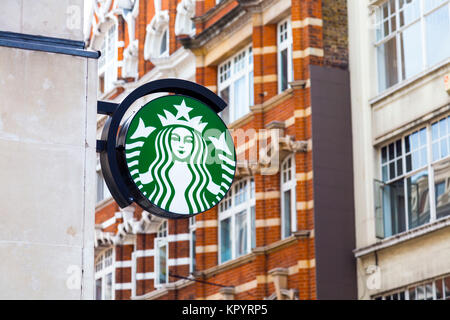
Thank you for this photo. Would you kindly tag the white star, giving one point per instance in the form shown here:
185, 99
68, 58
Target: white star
183, 110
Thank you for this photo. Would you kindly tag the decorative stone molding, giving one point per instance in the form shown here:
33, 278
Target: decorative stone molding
129, 9
183, 20
155, 31
227, 293
280, 281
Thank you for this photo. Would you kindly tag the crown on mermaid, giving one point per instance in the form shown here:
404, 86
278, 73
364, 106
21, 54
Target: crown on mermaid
182, 112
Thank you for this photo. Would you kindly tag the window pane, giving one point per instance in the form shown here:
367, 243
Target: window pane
438, 35
225, 240
418, 199
431, 4
412, 294
447, 288
251, 89
108, 287
387, 64
163, 45
283, 69
442, 189
420, 293
240, 99
411, 48
100, 185
410, 10
287, 213
253, 225
429, 291
394, 208
162, 276
241, 233
98, 289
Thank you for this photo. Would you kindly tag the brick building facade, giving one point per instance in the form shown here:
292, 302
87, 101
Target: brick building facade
286, 228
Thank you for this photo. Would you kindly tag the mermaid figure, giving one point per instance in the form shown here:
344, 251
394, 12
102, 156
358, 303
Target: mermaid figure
179, 172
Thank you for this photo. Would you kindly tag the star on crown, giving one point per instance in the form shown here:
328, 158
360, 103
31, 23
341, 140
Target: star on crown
182, 112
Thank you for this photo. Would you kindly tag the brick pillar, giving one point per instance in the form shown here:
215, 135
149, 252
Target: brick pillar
123, 272
145, 263
178, 248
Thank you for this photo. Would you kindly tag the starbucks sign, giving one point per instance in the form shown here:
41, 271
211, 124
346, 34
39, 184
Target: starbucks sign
175, 155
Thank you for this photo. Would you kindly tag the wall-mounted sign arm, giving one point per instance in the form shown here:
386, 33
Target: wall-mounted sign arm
108, 108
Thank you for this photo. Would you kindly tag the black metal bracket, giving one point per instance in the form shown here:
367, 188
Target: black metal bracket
108, 108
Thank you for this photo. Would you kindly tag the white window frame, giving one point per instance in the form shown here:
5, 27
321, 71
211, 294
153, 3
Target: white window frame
228, 79
287, 184
108, 59
160, 241
284, 42
429, 167
232, 211
398, 31
192, 251
101, 272
105, 191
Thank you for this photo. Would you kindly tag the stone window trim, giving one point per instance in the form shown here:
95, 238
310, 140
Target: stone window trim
154, 35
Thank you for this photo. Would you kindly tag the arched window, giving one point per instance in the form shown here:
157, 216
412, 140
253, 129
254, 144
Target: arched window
237, 220
162, 255
104, 279
157, 36
288, 197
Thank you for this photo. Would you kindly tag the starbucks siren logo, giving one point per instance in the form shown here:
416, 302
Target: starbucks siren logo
180, 154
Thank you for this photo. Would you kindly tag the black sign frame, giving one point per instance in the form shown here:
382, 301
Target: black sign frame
111, 149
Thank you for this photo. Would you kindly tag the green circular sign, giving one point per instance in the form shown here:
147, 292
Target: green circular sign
180, 155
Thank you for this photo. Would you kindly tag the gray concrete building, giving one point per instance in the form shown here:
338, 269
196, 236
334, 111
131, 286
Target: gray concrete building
400, 63
48, 97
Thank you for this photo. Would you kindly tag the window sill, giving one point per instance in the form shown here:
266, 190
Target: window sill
406, 83
403, 237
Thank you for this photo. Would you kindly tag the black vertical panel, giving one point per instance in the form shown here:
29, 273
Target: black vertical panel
333, 183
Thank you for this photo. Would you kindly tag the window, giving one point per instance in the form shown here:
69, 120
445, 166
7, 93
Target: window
285, 69
104, 269
107, 66
162, 254
415, 186
438, 289
236, 221
102, 188
236, 85
164, 45
288, 198
192, 233
411, 35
